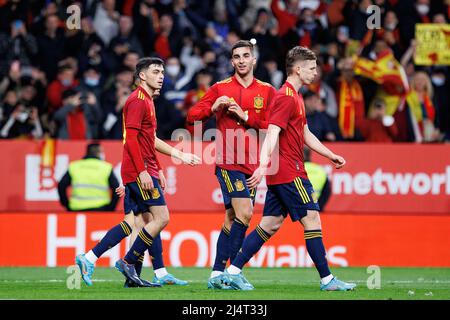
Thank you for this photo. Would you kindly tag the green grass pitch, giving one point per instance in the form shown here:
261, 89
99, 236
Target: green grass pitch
270, 283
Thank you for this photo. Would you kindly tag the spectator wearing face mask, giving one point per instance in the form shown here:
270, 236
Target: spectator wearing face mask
410, 14
390, 33
91, 82
176, 83
22, 123
441, 88
65, 80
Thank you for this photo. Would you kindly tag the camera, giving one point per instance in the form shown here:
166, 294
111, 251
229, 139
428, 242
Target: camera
83, 97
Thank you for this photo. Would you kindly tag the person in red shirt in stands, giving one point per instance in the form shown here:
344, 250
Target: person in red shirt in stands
240, 104
379, 127
289, 189
65, 80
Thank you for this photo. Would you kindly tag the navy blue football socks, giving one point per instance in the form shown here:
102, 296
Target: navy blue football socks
252, 243
222, 250
316, 251
237, 235
143, 242
155, 252
112, 238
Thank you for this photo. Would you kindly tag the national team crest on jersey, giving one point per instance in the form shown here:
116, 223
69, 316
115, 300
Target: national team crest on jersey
258, 103
155, 193
239, 185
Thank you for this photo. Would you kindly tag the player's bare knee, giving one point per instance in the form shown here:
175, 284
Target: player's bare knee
139, 222
312, 221
163, 220
245, 214
129, 218
271, 224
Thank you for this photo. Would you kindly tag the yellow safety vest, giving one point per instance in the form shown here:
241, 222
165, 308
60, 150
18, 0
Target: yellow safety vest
90, 186
317, 176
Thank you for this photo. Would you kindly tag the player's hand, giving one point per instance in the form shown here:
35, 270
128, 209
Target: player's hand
338, 161
162, 180
120, 191
237, 110
190, 159
256, 178
222, 101
146, 180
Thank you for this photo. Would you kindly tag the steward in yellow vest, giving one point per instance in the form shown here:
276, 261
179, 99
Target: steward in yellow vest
93, 183
318, 178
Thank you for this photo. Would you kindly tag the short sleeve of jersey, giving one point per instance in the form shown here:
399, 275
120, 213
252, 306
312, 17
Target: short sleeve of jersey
135, 114
281, 111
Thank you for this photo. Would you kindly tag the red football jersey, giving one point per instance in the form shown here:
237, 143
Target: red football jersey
139, 113
288, 113
237, 148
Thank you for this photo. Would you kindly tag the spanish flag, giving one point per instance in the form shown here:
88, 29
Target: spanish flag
48, 162
389, 74
351, 106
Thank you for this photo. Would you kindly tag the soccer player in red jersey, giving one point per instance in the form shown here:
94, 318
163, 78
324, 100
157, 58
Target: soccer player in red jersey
289, 190
240, 104
143, 193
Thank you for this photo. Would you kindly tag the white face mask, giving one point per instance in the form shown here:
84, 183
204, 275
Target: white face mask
22, 117
173, 70
422, 9
390, 26
437, 80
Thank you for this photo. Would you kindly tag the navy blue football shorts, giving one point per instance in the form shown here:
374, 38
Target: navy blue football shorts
293, 198
139, 200
234, 185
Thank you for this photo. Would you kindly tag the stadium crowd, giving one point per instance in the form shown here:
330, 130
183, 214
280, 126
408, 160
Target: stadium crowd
72, 83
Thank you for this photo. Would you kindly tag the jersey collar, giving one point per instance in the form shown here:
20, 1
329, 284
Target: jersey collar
288, 84
236, 80
144, 92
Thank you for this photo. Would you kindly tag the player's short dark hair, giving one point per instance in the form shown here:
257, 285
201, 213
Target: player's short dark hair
298, 53
144, 63
243, 44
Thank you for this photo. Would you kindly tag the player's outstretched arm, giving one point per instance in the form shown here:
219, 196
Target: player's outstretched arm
314, 144
167, 149
267, 148
202, 110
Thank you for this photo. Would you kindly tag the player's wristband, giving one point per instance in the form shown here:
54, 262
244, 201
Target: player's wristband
246, 118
